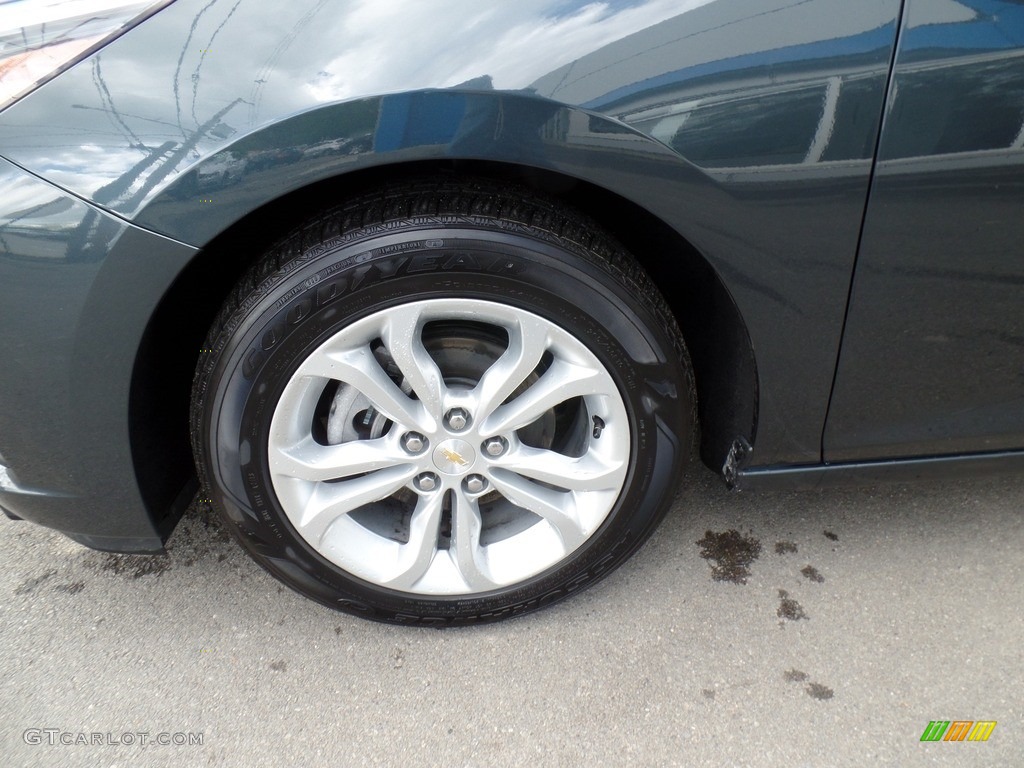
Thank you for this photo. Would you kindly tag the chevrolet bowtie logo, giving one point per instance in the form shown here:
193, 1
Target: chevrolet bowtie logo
453, 457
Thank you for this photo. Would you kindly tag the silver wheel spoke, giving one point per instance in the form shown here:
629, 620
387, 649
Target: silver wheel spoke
332, 500
308, 460
586, 473
466, 528
528, 341
561, 382
360, 368
403, 337
402, 443
419, 552
555, 507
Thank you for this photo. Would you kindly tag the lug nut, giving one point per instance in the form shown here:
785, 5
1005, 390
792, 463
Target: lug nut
495, 446
457, 419
475, 484
427, 481
414, 442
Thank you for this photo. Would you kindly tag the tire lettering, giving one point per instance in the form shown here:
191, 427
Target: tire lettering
353, 605
252, 363
424, 263
377, 271
299, 312
328, 293
462, 261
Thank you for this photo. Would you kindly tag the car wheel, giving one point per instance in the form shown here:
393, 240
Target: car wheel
443, 404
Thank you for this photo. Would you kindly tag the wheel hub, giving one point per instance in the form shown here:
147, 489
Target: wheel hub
454, 457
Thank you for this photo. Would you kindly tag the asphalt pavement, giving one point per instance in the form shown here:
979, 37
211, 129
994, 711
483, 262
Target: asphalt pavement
773, 629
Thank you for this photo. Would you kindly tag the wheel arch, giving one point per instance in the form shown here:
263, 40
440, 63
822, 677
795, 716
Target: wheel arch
714, 329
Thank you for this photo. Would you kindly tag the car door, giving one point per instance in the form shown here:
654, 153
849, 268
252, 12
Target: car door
932, 358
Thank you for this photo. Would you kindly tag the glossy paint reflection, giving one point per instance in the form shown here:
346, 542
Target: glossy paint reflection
214, 71
39, 222
739, 86
726, 84
959, 84
940, 273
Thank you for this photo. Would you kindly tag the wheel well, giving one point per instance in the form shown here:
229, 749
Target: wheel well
715, 334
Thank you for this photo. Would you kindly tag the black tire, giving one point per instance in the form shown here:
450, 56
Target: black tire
379, 258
